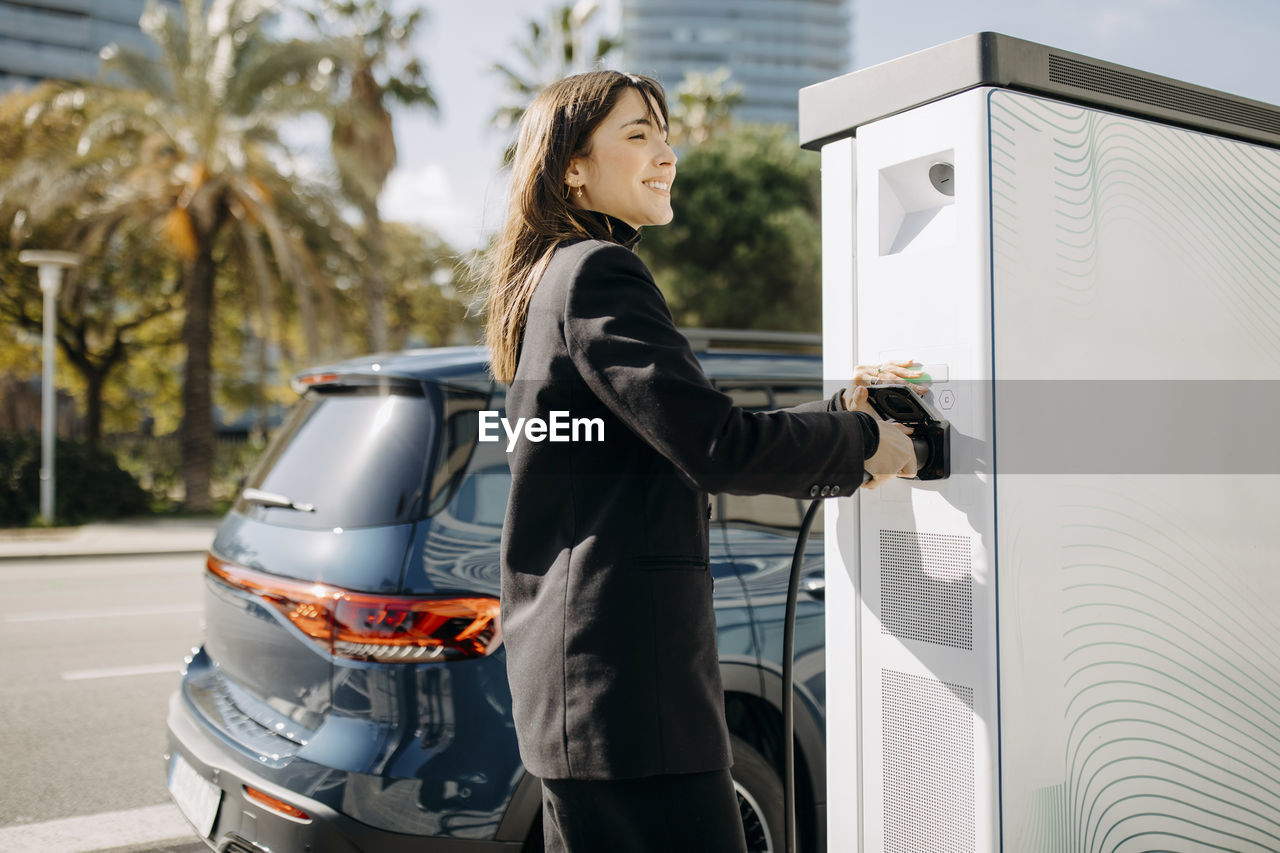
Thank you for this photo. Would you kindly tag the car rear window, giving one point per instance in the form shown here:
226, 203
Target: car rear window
357, 455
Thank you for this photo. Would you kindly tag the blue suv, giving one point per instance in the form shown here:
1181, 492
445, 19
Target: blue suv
351, 691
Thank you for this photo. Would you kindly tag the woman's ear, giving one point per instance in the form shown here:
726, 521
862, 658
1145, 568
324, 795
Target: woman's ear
575, 175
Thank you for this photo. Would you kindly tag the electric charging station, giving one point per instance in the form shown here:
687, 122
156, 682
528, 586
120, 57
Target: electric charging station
1072, 643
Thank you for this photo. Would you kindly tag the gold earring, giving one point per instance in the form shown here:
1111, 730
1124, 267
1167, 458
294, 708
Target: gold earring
578, 192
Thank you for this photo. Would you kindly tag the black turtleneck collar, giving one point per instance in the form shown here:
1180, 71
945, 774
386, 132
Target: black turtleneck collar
614, 228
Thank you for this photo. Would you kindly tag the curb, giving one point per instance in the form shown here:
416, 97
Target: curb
87, 555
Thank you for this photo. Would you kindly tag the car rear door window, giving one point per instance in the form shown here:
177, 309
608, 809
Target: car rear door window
356, 456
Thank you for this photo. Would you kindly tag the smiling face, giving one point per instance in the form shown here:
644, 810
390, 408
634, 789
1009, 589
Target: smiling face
629, 168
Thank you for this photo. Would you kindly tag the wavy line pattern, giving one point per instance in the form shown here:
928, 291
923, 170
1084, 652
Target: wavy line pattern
1172, 689
1169, 655
1214, 202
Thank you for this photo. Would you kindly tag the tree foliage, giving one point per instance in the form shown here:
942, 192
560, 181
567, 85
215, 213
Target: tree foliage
372, 66
427, 308
744, 248
191, 149
702, 107
118, 303
552, 48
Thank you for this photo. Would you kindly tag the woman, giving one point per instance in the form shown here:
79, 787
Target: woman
606, 593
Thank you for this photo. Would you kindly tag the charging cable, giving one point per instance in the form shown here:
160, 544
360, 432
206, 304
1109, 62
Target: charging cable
931, 437
788, 683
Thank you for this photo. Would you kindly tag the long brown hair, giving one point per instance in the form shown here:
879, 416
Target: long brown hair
556, 128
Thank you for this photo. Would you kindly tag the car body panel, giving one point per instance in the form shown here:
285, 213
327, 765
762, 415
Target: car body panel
368, 559
424, 755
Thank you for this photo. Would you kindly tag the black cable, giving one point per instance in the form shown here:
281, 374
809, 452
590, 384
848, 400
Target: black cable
788, 683
923, 450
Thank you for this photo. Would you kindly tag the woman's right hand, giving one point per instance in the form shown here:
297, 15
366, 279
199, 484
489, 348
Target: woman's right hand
896, 455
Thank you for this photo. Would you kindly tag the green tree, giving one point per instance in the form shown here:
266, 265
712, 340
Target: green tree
744, 248
100, 326
372, 64
702, 106
108, 304
193, 146
426, 295
551, 49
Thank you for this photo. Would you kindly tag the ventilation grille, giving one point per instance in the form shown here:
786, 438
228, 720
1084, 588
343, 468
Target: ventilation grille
926, 587
928, 764
1157, 93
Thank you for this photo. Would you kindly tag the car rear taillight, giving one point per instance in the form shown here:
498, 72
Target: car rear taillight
365, 626
276, 805
313, 380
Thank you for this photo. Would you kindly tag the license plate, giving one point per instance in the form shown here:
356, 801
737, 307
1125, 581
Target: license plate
197, 798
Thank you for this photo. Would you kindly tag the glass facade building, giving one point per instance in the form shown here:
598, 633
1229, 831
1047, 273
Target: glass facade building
772, 47
40, 39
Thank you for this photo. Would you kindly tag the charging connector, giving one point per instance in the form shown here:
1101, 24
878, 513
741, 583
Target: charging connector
930, 432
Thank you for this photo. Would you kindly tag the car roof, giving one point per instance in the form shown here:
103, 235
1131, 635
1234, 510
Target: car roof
469, 366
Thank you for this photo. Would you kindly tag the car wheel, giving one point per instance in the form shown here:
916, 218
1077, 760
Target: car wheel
760, 803
533, 842
759, 798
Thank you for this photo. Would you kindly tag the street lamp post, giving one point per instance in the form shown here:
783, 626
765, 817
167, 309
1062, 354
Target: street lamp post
50, 266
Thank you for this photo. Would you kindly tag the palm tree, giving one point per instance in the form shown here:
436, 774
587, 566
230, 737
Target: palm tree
192, 146
373, 64
553, 48
702, 107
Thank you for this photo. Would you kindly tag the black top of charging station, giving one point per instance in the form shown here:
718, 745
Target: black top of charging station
836, 108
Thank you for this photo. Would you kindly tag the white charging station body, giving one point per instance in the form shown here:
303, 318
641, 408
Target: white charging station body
1072, 644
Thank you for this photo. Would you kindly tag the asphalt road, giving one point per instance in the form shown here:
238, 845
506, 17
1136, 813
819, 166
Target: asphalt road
90, 650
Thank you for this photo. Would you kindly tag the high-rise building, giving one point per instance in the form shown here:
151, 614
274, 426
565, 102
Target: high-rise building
61, 38
772, 48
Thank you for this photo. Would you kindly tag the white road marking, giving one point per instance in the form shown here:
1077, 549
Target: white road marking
120, 672
148, 825
90, 569
106, 613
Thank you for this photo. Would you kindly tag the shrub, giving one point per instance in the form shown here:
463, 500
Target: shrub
156, 463
89, 484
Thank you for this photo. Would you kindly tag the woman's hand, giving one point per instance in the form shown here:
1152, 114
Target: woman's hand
896, 455
890, 373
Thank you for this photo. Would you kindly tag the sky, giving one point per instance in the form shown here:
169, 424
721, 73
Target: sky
449, 178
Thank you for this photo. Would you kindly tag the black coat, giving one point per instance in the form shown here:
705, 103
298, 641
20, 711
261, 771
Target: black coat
606, 593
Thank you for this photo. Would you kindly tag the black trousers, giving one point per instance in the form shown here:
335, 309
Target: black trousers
693, 812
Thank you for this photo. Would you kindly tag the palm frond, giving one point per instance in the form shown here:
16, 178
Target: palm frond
169, 33
121, 118
605, 46
582, 12
515, 80
553, 47
410, 93
270, 67
294, 272
138, 71
194, 29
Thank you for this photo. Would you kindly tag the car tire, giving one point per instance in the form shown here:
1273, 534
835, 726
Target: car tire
760, 798
533, 842
760, 802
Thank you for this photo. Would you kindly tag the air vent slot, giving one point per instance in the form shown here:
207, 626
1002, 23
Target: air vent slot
1157, 93
926, 587
928, 764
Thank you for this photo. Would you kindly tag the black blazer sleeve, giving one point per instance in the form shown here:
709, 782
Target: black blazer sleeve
623, 343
